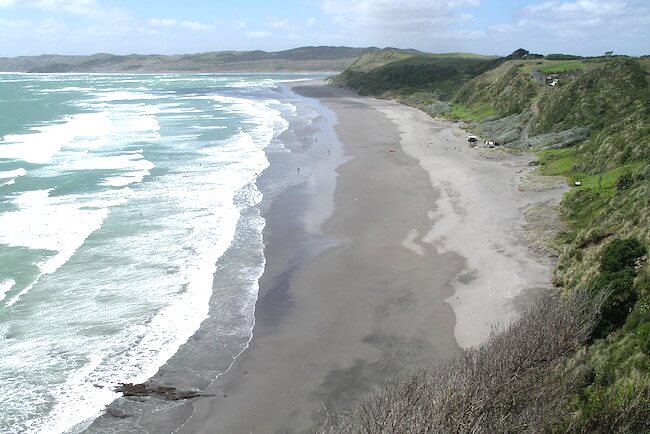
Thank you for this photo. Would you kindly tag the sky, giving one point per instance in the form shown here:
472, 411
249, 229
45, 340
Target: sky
585, 27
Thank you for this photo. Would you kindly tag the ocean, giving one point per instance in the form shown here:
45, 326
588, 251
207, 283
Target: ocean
119, 194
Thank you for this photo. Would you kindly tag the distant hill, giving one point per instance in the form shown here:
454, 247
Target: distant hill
297, 59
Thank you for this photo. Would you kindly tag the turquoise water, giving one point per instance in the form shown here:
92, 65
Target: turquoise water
118, 195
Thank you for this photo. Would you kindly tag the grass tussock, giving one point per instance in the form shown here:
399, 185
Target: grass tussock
517, 381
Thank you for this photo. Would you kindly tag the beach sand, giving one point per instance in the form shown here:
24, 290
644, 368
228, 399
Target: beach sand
422, 254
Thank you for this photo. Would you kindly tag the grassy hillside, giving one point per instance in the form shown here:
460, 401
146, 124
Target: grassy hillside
592, 127
506, 94
423, 80
297, 59
613, 99
613, 204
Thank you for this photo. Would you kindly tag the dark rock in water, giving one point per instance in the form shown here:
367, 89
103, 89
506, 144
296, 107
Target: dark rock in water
164, 392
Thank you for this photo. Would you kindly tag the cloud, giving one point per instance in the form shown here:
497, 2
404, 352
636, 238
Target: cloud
581, 18
388, 16
163, 22
408, 23
76, 7
577, 8
460, 35
276, 23
586, 27
194, 25
258, 34
311, 21
295, 36
173, 22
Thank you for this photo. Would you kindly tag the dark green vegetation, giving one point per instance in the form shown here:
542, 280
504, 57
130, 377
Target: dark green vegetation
557, 56
618, 263
593, 126
297, 59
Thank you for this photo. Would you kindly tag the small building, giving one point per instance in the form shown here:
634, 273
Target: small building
552, 80
472, 140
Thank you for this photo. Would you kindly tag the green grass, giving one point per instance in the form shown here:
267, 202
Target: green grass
607, 185
558, 161
471, 113
527, 66
462, 56
550, 66
563, 161
460, 61
645, 62
558, 67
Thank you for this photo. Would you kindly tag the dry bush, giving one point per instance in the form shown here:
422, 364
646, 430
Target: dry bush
514, 382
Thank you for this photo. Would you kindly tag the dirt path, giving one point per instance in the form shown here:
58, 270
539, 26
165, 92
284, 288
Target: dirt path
535, 109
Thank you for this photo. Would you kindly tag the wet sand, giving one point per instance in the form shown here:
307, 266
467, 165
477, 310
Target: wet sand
331, 328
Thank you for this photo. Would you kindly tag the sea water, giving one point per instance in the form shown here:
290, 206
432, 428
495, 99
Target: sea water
118, 196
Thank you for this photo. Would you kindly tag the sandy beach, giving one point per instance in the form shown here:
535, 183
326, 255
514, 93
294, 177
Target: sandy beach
422, 254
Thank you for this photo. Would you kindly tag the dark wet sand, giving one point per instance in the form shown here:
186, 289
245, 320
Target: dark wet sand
342, 310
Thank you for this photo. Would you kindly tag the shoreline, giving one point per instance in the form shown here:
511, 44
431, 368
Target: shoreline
361, 311
282, 208
400, 266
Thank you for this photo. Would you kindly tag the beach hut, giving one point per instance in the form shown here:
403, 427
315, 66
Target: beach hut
472, 140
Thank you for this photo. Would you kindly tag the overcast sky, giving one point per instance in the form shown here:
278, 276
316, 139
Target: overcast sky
587, 27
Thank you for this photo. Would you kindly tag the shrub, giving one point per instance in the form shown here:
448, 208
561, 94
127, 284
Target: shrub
621, 254
617, 272
622, 296
624, 181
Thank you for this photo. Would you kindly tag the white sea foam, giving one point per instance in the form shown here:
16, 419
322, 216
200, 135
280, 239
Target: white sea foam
252, 84
209, 127
205, 193
191, 214
113, 128
122, 95
59, 224
86, 130
125, 179
5, 287
13, 173
67, 89
128, 161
